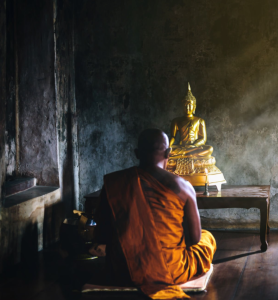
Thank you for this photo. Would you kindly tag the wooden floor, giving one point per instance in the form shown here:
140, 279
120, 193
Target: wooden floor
241, 271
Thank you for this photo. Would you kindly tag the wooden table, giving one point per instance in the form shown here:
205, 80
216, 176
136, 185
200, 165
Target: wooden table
244, 196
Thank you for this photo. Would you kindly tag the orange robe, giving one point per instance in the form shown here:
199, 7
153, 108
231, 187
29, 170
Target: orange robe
148, 239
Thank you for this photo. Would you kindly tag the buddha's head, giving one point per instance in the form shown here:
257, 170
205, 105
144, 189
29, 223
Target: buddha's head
189, 107
189, 102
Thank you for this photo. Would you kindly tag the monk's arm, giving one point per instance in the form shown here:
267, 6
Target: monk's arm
192, 223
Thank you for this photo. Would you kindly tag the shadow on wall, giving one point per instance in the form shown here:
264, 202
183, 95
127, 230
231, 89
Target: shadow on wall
29, 249
28, 255
67, 173
53, 218
27, 228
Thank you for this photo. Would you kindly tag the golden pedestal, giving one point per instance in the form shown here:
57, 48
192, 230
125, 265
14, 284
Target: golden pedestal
194, 171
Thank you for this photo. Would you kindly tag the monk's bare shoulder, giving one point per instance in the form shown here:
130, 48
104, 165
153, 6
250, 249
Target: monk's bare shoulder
178, 185
187, 191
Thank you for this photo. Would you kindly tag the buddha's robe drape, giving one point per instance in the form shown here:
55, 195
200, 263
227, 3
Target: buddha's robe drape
192, 132
149, 232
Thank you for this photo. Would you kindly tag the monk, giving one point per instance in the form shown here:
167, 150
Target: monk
149, 220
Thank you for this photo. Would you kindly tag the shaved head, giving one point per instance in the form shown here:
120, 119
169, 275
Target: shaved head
152, 146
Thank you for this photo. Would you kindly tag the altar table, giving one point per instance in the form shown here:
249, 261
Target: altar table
244, 196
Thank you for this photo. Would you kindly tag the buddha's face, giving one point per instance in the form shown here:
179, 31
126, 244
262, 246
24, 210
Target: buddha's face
189, 107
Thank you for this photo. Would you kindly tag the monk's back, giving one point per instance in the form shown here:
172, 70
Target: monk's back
168, 213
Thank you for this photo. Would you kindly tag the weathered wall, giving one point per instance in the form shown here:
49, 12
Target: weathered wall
10, 143
104, 84
234, 64
65, 103
36, 91
133, 60
27, 75
2, 93
2, 114
2, 110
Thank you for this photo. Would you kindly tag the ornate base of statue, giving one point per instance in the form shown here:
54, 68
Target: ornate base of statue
194, 170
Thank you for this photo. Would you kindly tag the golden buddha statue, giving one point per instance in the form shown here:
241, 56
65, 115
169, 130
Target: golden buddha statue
191, 158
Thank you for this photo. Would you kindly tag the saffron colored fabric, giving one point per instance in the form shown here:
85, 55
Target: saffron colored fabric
147, 218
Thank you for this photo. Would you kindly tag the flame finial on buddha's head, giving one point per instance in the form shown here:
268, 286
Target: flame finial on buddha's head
190, 97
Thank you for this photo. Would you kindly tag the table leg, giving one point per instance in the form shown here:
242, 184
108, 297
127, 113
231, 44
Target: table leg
263, 225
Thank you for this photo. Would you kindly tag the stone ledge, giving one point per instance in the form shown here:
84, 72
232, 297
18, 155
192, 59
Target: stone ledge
18, 185
32, 193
